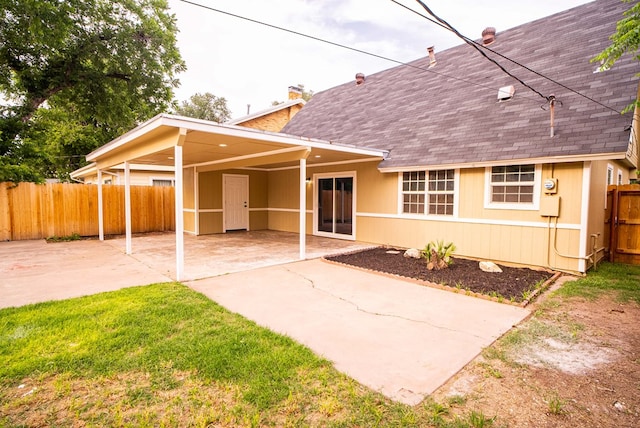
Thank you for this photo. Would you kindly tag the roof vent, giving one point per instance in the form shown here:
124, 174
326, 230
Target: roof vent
488, 36
432, 56
359, 78
506, 93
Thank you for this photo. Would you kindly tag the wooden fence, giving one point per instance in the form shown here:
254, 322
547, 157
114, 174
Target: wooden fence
622, 217
36, 211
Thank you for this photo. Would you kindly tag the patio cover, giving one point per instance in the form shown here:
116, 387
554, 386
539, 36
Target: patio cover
184, 142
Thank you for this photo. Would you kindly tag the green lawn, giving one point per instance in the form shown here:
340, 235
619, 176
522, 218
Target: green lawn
620, 279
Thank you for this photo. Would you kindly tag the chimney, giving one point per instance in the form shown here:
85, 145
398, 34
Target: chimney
359, 78
295, 92
432, 56
488, 36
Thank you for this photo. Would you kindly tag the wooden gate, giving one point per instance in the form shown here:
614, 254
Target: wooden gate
623, 220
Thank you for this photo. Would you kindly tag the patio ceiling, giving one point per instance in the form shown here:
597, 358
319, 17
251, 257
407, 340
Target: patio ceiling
211, 146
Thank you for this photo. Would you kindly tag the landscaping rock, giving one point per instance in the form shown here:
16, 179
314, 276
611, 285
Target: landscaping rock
490, 267
413, 253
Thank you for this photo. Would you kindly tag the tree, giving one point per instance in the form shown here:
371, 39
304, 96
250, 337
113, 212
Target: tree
626, 39
102, 65
205, 106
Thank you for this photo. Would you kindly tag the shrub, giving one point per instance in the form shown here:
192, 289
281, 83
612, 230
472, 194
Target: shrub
438, 254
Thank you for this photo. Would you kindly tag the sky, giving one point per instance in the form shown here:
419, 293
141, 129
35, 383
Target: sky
252, 65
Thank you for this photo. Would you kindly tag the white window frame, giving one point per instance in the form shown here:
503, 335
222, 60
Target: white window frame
427, 193
608, 182
520, 206
609, 174
619, 180
152, 179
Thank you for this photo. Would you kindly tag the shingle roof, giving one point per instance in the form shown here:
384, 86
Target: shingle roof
429, 118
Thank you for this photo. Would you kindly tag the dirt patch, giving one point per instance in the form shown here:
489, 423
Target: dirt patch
575, 363
513, 284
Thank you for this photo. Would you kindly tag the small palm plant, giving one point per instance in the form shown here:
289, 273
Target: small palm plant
438, 254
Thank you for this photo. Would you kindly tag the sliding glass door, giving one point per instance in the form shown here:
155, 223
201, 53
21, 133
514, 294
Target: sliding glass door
334, 207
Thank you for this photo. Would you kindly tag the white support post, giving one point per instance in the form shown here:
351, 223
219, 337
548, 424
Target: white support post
100, 212
179, 213
196, 201
303, 208
127, 206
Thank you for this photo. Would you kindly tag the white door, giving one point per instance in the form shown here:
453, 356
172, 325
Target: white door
235, 202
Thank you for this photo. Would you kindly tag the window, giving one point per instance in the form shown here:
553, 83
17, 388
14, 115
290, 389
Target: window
428, 192
441, 186
513, 184
619, 178
609, 175
413, 185
161, 182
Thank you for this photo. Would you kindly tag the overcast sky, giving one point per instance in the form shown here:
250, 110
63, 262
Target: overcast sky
250, 64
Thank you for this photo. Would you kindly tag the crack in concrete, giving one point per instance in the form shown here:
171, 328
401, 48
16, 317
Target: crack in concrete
358, 308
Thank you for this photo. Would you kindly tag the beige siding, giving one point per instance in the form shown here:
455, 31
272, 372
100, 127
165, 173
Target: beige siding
210, 223
259, 220
189, 219
188, 196
288, 221
210, 190
284, 191
210, 194
502, 243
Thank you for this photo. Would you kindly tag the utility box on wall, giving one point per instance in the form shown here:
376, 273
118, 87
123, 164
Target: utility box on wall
551, 186
550, 206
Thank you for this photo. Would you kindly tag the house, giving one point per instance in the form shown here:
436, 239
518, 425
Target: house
477, 158
447, 147
141, 175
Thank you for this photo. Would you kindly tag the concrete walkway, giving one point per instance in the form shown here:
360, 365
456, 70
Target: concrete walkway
396, 337
34, 271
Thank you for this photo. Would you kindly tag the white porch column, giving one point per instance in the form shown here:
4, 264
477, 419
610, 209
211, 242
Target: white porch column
179, 213
100, 213
303, 208
196, 202
127, 206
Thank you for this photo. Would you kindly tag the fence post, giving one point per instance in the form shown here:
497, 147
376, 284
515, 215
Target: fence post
5, 213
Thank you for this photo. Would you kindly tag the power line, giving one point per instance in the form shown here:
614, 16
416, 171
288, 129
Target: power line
473, 45
444, 24
297, 33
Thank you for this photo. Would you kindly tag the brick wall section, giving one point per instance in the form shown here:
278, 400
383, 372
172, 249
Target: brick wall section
273, 122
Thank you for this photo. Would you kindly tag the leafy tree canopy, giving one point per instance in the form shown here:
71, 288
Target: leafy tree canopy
626, 39
205, 106
76, 73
